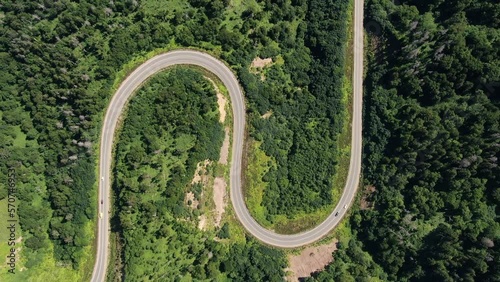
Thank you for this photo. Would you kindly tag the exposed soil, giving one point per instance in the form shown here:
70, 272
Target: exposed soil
199, 174
202, 222
224, 150
219, 195
190, 197
219, 192
260, 63
310, 260
267, 115
221, 101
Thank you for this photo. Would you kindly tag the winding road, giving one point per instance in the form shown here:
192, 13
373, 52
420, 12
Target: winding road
189, 57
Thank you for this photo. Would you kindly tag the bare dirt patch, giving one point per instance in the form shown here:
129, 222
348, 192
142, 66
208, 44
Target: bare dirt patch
310, 260
202, 222
267, 115
219, 196
260, 63
224, 150
190, 197
199, 174
221, 101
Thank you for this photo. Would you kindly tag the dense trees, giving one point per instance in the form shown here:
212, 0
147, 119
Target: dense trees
351, 264
160, 159
301, 135
172, 124
431, 142
60, 60
20, 151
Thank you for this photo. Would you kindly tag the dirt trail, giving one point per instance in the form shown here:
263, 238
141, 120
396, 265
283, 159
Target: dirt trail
267, 114
219, 195
224, 150
219, 187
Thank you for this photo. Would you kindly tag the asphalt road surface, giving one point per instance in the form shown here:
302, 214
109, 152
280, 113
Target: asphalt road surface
188, 57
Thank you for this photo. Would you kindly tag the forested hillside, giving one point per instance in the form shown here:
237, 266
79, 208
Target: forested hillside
62, 61
432, 142
301, 135
171, 125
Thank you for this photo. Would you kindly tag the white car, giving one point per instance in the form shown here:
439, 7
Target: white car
100, 215
345, 207
102, 178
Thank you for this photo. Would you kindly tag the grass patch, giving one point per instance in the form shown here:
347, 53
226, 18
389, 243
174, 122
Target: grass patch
258, 163
88, 261
167, 8
20, 140
236, 230
46, 269
235, 9
50, 270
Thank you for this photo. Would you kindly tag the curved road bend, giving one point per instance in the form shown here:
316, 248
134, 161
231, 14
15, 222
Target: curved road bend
187, 57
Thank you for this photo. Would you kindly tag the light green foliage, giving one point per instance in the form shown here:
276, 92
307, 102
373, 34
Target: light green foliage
178, 109
62, 62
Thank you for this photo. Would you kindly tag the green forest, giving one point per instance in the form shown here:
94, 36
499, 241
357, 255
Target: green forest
432, 142
171, 125
63, 60
427, 209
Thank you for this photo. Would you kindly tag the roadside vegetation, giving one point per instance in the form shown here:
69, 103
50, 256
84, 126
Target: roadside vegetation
173, 124
63, 60
429, 208
304, 95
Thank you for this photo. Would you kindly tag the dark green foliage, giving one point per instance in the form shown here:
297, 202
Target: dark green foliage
302, 133
73, 211
432, 135
165, 134
182, 130
254, 262
224, 232
18, 151
351, 264
59, 61
172, 124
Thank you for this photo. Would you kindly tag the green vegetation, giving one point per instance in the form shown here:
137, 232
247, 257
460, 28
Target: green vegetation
180, 110
63, 60
305, 96
172, 124
432, 142
258, 163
